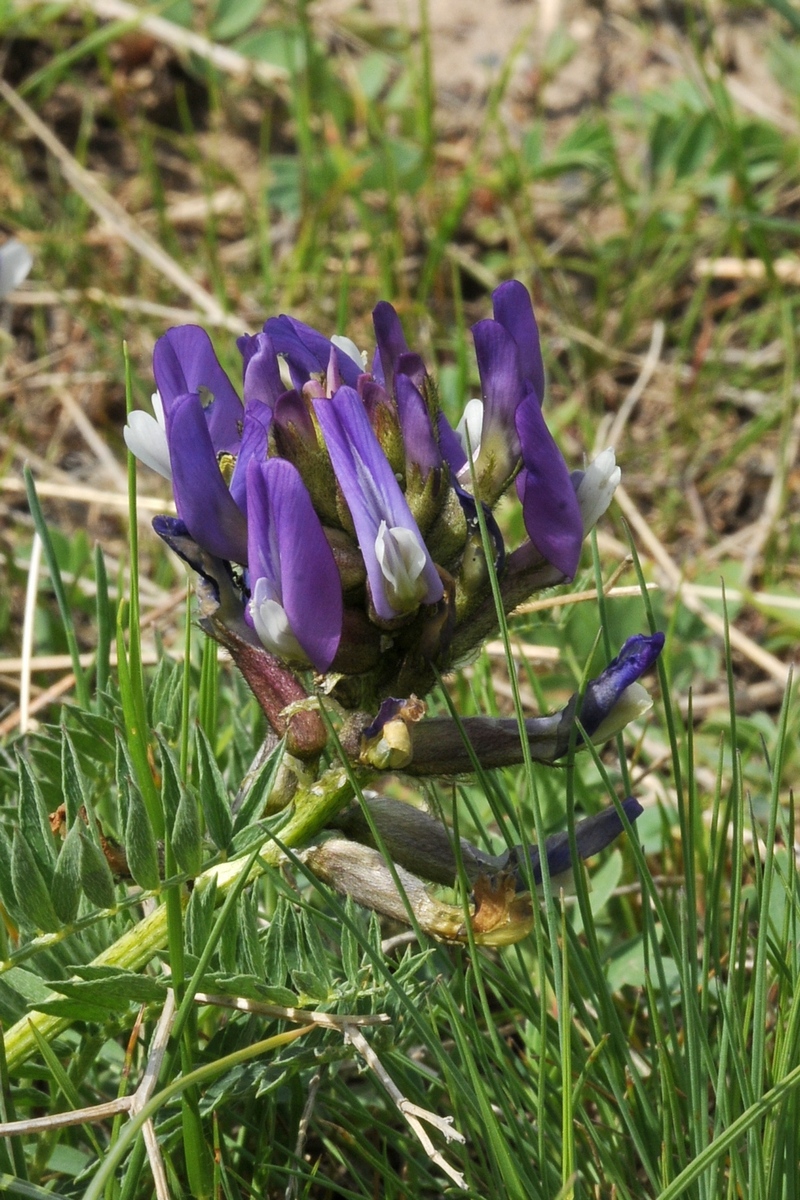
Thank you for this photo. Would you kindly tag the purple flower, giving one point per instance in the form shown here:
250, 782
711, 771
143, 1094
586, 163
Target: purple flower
202, 497
420, 444
550, 506
513, 310
592, 835
391, 344
503, 391
261, 376
253, 448
184, 361
610, 697
308, 353
400, 570
344, 506
296, 602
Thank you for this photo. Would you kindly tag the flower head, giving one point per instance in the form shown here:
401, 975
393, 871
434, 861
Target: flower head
348, 513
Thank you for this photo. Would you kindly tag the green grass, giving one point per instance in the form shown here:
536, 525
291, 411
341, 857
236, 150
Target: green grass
644, 1040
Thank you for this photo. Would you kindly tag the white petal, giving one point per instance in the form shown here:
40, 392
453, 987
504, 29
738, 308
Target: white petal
634, 702
145, 438
273, 628
402, 561
471, 424
16, 261
285, 373
596, 489
350, 349
158, 409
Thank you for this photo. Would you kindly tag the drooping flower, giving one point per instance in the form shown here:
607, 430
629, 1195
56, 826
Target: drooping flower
438, 746
616, 697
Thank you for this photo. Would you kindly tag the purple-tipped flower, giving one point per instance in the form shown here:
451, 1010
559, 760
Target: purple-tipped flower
296, 603
261, 376
615, 696
514, 311
400, 570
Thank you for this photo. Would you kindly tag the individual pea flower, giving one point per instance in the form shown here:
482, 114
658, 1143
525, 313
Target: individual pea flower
422, 852
400, 739
339, 518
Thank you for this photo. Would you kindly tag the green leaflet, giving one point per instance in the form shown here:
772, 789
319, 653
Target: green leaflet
187, 843
33, 819
7, 893
255, 800
73, 786
200, 917
96, 878
66, 887
140, 843
213, 795
33, 896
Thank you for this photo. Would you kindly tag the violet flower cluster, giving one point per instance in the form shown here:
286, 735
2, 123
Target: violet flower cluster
346, 503
343, 533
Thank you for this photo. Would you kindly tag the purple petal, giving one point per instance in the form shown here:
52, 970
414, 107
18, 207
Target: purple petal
202, 497
287, 547
503, 392
184, 361
291, 413
412, 365
255, 433
550, 507
374, 397
391, 342
450, 444
420, 444
370, 489
636, 656
514, 311
591, 836
308, 352
261, 374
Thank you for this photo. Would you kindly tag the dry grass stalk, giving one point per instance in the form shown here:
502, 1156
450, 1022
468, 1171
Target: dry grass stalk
114, 215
